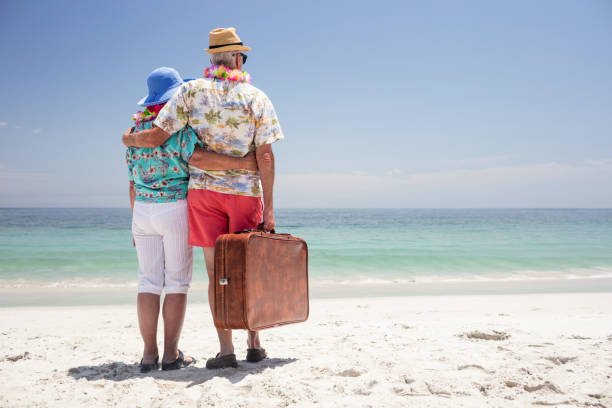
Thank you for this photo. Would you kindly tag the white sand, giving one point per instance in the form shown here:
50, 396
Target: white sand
376, 352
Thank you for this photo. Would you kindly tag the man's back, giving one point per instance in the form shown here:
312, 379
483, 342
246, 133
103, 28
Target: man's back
231, 118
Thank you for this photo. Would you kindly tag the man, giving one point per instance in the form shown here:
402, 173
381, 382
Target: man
231, 117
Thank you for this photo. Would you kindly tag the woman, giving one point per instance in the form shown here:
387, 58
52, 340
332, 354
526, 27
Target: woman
158, 192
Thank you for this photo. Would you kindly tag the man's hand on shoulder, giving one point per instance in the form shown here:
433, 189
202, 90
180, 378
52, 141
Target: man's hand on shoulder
126, 136
153, 137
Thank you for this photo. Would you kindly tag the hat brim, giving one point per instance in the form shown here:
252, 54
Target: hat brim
163, 98
228, 48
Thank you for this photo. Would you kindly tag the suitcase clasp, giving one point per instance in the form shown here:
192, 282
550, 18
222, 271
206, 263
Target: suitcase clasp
223, 281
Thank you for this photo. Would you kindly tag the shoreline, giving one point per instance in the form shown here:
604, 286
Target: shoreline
124, 295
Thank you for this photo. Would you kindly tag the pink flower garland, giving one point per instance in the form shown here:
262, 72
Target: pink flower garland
222, 72
143, 116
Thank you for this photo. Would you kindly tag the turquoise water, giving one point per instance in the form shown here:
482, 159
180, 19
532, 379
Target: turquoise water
85, 246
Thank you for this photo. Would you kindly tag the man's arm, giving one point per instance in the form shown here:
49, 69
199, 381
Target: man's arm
145, 138
207, 160
265, 161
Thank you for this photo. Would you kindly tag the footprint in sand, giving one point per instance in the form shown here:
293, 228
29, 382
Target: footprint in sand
552, 403
479, 367
349, 372
478, 335
18, 357
435, 389
545, 386
560, 360
511, 384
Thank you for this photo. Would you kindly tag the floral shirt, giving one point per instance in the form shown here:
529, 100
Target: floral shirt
231, 118
161, 174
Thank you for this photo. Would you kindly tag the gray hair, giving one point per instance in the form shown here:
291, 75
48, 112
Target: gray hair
224, 58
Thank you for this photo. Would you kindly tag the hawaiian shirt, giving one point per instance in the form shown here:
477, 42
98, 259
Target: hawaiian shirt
161, 174
231, 118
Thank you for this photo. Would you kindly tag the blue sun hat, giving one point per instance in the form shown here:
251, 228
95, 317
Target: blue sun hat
163, 83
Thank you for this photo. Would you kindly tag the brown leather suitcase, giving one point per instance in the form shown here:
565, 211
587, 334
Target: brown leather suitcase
261, 280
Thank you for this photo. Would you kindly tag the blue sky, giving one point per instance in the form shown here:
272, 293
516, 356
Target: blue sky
384, 104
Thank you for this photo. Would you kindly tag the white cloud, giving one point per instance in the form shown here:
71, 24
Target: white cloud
36, 130
538, 185
3, 124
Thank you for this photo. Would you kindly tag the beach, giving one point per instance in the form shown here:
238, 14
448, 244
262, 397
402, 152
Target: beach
409, 307
512, 350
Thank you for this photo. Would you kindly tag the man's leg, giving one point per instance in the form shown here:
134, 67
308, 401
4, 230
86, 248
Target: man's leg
225, 336
148, 312
253, 340
247, 214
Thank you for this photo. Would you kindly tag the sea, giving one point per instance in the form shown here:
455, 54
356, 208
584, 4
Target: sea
348, 248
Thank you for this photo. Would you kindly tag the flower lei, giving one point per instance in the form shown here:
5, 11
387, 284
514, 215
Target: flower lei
143, 116
222, 72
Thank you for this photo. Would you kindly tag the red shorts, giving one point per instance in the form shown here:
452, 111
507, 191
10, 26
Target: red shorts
212, 214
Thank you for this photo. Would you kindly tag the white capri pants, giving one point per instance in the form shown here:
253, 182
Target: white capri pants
165, 258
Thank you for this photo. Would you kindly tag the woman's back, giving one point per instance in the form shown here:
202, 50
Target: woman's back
161, 174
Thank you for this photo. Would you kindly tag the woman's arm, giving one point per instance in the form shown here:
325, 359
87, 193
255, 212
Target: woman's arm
132, 198
132, 195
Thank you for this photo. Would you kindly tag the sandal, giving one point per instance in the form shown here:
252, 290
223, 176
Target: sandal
178, 363
145, 368
255, 355
228, 360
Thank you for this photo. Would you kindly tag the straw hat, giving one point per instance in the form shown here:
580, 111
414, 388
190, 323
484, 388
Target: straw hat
225, 39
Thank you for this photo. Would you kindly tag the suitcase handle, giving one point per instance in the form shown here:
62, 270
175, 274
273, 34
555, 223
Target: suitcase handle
259, 229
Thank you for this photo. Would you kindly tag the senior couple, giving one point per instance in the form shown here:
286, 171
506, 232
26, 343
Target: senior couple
200, 160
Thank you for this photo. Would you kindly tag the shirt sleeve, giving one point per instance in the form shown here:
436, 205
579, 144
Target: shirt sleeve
130, 164
189, 140
267, 128
174, 115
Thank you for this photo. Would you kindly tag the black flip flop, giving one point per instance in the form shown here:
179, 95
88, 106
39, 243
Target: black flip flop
178, 363
145, 368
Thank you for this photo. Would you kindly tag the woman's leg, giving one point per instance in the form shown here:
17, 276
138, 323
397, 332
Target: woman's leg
149, 248
173, 312
172, 223
148, 312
